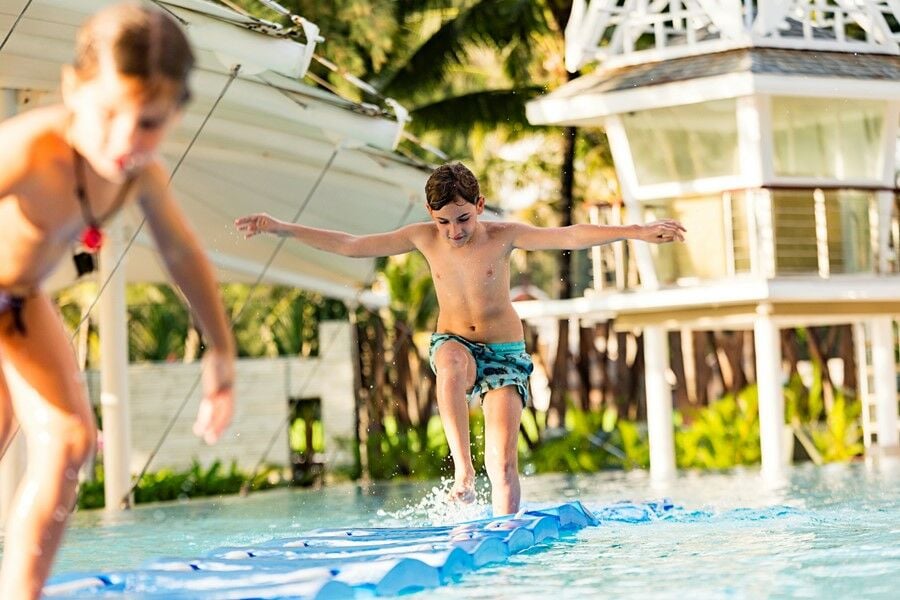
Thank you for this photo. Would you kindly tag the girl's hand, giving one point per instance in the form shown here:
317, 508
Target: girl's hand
661, 232
217, 405
256, 223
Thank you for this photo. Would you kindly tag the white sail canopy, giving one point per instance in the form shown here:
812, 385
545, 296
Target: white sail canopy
272, 144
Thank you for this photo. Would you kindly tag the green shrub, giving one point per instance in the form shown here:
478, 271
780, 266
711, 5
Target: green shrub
197, 481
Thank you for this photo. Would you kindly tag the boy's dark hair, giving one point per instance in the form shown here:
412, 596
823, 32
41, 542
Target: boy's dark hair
141, 41
449, 182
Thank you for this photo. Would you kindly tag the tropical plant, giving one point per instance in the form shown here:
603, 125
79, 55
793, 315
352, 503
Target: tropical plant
196, 481
722, 435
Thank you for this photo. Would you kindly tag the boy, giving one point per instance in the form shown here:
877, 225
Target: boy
479, 346
64, 170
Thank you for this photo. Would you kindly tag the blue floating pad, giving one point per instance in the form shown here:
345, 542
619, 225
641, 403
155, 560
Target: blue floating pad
341, 563
484, 551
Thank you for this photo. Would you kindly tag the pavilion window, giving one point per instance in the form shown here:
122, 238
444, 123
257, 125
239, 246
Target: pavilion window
722, 247
827, 138
684, 143
832, 238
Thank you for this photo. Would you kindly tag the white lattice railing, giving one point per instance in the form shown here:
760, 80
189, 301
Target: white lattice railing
628, 30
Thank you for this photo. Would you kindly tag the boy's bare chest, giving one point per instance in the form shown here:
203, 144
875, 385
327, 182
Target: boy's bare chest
473, 269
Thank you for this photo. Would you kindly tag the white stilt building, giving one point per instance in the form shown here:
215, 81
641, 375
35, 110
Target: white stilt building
770, 129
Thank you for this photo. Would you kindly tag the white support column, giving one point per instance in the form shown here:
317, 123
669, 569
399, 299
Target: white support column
12, 467
884, 376
113, 329
771, 395
659, 404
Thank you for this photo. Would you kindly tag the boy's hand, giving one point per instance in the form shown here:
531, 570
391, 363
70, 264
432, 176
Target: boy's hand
217, 404
660, 232
256, 223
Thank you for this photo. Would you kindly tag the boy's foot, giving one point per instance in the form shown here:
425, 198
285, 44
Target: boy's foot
463, 490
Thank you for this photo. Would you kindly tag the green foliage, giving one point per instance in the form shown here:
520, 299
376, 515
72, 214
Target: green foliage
158, 323
197, 481
409, 283
839, 439
804, 404
635, 444
722, 435
297, 436
417, 452
278, 320
592, 441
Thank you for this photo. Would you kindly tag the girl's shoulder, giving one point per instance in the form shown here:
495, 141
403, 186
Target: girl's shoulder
32, 141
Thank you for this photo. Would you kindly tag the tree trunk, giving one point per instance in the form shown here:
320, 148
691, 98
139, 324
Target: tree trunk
557, 412
847, 354
789, 349
401, 376
559, 380
379, 377
601, 330
585, 358
819, 353
622, 381
361, 416
730, 354
682, 398
704, 373
636, 391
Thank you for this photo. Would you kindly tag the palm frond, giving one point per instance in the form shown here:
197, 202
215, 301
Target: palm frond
492, 23
487, 107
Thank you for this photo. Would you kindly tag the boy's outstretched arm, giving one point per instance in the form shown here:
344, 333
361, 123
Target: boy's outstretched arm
191, 270
578, 237
398, 241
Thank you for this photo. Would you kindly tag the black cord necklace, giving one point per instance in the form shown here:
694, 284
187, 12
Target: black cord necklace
92, 235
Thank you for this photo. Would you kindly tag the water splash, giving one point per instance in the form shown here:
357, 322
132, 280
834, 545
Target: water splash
436, 508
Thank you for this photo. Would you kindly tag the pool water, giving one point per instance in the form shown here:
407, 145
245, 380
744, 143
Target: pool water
822, 532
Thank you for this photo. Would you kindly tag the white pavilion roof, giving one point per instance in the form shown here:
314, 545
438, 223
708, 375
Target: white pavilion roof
617, 32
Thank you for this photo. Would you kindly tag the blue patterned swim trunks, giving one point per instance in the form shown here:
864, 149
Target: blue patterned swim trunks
496, 365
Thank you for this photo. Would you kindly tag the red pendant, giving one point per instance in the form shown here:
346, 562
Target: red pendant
92, 238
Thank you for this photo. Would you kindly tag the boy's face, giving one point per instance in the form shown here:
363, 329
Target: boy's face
457, 220
117, 121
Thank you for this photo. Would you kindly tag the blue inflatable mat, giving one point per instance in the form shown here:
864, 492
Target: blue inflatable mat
338, 563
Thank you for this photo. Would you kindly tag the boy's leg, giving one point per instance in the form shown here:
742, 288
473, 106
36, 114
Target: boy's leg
455, 369
502, 414
60, 433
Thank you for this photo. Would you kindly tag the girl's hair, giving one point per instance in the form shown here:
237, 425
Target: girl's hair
449, 182
140, 41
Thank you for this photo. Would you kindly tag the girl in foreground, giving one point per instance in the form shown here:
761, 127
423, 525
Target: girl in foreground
64, 170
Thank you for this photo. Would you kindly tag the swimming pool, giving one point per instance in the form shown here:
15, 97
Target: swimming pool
829, 532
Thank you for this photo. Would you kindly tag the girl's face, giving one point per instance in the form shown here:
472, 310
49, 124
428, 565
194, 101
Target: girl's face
118, 122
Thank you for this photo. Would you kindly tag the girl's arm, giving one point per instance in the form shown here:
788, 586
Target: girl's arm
192, 272
578, 237
393, 242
